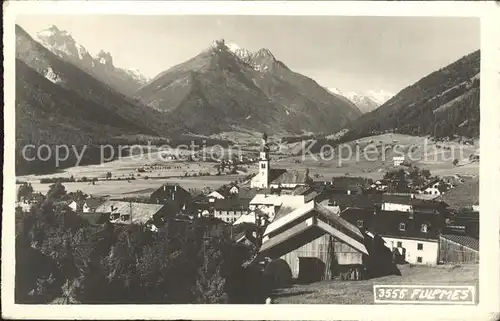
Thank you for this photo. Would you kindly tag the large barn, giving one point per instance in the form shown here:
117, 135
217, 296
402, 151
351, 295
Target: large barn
316, 244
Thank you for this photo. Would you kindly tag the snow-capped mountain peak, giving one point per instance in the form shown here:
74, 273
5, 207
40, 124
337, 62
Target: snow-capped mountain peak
61, 43
380, 96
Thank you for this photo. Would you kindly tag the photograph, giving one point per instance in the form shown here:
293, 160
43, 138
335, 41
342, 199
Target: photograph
233, 159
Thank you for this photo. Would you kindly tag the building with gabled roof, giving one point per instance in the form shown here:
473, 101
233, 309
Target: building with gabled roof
129, 212
316, 244
458, 249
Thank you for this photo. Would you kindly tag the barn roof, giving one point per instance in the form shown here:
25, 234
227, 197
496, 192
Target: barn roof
464, 195
232, 203
141, 212
463, 240
291, 224
285, 240
280, 176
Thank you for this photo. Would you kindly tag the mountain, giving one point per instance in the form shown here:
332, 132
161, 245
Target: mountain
57, 102
366, 101
443, 104
227, 88
61, 43
363, 102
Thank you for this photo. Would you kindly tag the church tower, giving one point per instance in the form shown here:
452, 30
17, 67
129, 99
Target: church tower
262, 178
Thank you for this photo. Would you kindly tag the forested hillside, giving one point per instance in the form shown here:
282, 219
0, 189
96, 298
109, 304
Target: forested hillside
442, 104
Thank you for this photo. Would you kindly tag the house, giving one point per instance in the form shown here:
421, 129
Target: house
229, 210
435, 187
408, 226
413, 234
88, 205
398, 160
270, 204
27, 203
231, 191
171, 192
129, 212
215, 195
458, 249
277, 178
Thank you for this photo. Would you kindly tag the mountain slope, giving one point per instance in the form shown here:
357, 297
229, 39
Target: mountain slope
443, 104
64, 90
227, 88
62, 44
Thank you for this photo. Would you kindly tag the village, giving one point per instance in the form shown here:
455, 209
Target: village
302, 230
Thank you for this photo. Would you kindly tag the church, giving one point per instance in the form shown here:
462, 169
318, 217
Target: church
268, 177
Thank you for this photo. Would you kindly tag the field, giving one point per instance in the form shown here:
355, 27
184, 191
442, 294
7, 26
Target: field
361, 292
157, 173
437, 157
372, 156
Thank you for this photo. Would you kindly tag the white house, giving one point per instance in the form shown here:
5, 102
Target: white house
389, 206
398, 160
215, 195
415, 251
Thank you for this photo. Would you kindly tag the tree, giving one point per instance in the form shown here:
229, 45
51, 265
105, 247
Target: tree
24, 192
56, 191
426, 173
455, 162
108, 175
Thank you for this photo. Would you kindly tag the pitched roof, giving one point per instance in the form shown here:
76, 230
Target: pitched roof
94, 202
289, 176
464, 195
141, 212
233, 203
430, 183
329, 223
301, 190
464, 240
267, 199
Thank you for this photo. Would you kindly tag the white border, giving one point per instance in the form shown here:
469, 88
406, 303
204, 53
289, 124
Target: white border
489, 172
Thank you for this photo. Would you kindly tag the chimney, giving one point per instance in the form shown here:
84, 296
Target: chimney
112, 208
412, 195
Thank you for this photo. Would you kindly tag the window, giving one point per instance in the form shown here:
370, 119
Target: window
419, 259
125, 217
424, 228
420, 246
399, 244
263, 165
360, 223
402, 227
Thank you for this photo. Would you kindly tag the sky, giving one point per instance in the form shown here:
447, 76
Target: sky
352, 54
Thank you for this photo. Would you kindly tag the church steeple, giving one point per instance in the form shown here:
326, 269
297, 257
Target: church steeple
264, 150
262, 178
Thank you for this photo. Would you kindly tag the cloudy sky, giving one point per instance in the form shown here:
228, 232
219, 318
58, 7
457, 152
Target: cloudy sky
349, 53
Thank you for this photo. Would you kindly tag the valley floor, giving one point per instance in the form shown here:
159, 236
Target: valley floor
361, 292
